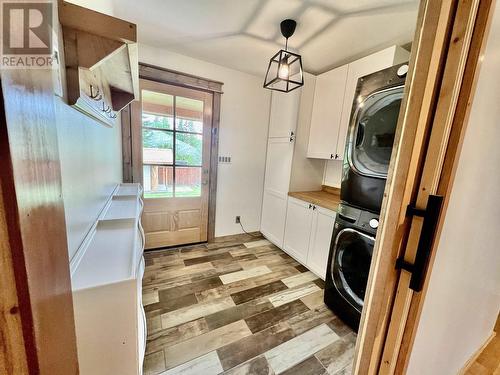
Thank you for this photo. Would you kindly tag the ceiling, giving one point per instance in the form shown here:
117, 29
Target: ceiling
244, 34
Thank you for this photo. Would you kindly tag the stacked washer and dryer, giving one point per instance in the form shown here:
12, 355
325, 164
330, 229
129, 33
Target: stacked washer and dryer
369, 144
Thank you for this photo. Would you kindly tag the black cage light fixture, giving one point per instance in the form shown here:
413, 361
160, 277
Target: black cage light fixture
284, 72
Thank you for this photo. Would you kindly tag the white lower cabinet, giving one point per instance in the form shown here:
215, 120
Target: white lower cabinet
273, 217
299, 216
319, 244
308, 232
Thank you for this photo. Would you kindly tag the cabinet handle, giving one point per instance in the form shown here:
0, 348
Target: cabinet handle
336, 156
310, 206
331, 156
314, 207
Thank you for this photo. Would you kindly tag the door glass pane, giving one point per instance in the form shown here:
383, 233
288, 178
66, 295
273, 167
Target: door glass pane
157, 147
158, 181
188, 181
188, 115
374, 132
157, 110
188, 149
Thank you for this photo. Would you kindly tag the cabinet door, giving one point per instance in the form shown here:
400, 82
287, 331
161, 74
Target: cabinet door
272, 223
327, 113
297, 229
357, 69
284, 113
276, 184
278, 165
321, 236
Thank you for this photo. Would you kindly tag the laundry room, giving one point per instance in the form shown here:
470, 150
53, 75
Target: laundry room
254, 187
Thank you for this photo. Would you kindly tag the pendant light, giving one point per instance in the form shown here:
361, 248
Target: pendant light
284, 72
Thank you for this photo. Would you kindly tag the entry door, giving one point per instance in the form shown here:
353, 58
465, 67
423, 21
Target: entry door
171, 136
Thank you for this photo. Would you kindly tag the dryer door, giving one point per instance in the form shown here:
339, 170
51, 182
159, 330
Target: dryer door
372, 132
351, 264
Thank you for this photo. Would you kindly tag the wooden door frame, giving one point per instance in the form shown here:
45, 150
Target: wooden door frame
443, 73
171, 77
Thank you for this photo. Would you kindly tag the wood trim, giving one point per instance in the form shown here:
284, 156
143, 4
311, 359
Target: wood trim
476, 354
214, 163
479, 21
83, 19
172, 77
36, 221
413, 126
127, 170
14, 302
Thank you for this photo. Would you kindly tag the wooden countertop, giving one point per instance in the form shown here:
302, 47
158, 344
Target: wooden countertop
328, 198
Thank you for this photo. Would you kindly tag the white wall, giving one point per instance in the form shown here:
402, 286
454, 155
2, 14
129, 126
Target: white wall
463, 299
243, 134
307, 174
333, 173
91, 166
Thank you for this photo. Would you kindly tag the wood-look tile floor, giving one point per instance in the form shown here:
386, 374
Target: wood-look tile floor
239, 306
488, 362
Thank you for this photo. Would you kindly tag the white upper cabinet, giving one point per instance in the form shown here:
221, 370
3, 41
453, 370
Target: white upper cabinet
327, 113
284, 112
334, 98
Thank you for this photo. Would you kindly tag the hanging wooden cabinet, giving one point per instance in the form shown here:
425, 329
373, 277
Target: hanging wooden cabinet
101, 59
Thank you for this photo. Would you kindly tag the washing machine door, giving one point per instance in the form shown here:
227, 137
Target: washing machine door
372, 132
351, 264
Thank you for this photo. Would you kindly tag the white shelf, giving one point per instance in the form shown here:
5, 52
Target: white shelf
110, 256
128, 189
106, 277
122, 207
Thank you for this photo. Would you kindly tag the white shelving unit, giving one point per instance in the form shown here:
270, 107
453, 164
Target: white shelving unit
106, 277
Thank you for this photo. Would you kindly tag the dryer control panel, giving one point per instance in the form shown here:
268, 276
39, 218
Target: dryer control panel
364, 220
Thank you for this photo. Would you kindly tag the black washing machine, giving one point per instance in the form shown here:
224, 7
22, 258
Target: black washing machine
370, 137
349, 262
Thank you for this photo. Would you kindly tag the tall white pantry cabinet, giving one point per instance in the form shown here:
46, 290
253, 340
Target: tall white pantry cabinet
280, 145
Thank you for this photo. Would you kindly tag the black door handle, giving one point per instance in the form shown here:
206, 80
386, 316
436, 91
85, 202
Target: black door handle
418, 270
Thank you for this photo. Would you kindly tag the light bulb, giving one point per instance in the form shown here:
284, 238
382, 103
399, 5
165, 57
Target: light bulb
283, 71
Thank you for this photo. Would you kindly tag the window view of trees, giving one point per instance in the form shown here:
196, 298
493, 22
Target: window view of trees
188, 149
158, 143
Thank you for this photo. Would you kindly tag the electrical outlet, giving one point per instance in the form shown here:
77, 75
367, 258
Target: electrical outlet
238, 220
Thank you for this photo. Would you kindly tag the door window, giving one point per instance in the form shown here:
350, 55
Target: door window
352, 259
172, 154
373, 134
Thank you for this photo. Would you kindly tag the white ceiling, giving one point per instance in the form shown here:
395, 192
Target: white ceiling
244, 34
